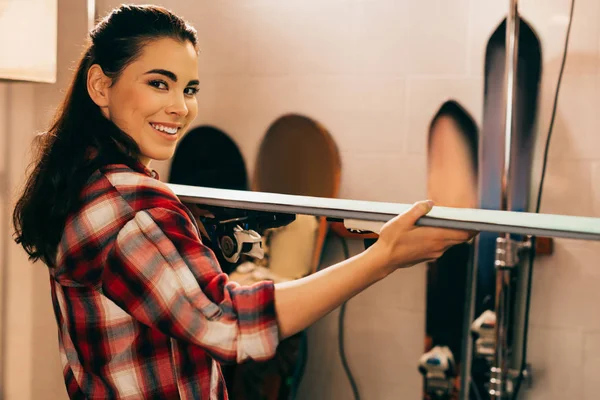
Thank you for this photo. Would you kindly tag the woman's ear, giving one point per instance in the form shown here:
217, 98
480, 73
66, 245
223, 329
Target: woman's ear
98, 85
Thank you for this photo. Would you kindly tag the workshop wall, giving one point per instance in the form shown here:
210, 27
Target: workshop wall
373, 73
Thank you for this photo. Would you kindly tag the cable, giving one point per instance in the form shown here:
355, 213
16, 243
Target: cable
301, 364
538, 204
341, 333
553, 116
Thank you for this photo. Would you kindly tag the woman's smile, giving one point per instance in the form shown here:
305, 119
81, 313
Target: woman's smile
168, 131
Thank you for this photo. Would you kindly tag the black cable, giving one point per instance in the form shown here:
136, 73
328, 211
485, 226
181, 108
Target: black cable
538, 204
341, 333
301, 365
553, 116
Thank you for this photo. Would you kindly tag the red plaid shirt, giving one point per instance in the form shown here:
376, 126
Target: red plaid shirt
142, 306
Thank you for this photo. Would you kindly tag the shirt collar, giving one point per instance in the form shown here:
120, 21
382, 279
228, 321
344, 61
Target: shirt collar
145, 170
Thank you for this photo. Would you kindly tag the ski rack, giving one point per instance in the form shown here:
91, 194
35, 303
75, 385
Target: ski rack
508, 250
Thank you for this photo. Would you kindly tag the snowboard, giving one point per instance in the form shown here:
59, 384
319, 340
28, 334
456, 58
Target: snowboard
452, 167
297, 156
491, 192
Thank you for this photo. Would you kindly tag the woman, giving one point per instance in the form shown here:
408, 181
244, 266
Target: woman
142, 307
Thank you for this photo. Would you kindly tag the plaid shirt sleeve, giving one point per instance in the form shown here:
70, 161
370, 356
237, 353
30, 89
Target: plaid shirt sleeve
160, 272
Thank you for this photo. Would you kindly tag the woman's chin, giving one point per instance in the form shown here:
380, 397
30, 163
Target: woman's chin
160, 154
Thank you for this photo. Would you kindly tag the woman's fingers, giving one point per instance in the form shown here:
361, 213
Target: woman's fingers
421, 208
418, 210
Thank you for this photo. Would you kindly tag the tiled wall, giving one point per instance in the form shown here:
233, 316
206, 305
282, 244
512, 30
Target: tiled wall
373, 72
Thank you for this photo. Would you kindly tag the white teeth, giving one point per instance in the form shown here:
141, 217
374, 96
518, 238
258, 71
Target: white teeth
165, 129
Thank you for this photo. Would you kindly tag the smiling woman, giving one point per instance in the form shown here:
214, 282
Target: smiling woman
142, 306
139, 69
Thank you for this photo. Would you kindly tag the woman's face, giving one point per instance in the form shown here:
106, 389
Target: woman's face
154, 98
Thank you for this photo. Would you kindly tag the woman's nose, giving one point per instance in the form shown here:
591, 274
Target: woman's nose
178, 106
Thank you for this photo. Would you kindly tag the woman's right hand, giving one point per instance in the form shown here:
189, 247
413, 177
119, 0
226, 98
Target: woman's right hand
403, 244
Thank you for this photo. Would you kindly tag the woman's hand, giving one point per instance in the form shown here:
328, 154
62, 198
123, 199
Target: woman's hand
403, 244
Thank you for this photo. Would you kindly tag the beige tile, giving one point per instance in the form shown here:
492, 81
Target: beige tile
383, 349
564, 290
591, 364
390, 178
360, 113
556, 358
384, 37
425, 97
207, 97
222, 37
310, 93
404, 289
438, 37
349, 92
365, 131
236, 92
575, 131
302, 38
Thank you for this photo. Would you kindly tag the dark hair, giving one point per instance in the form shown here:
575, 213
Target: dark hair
80, 139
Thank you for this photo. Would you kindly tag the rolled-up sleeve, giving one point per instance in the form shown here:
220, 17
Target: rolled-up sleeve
160, 272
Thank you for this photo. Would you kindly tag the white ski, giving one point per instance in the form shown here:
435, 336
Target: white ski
370, 215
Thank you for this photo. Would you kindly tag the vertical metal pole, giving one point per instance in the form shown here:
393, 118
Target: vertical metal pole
510, 79
499, 371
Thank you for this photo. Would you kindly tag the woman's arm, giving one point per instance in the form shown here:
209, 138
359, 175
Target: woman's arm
300, 303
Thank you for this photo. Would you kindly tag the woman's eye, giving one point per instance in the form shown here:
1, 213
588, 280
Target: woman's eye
159, 85
191, 91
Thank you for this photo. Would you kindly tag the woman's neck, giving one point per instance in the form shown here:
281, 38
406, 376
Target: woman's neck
146, 161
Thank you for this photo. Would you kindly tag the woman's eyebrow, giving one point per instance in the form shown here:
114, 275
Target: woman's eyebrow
164, 72
170, 75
